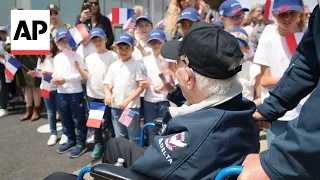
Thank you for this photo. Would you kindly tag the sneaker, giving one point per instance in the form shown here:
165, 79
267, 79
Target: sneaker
66, 147
63, 139
97, 151
52, 140
77, 151
3, 113
16, 99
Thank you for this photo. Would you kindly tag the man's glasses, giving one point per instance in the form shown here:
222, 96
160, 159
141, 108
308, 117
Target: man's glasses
54, 13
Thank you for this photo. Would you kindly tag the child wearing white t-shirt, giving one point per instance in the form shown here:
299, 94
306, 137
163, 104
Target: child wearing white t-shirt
122, 90
4, 89
249, 74
98, 64
274, 57
155, 101
70, 93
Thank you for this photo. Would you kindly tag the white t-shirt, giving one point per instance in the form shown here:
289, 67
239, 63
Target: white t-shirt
85, 51
247, 77
47, 65
98, 66
152, 66
273, 52
2, 51
137, 55
63, 67
122, 78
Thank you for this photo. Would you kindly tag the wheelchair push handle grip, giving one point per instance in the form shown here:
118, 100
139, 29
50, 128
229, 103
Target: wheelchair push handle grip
229, 171
83, 172
142, 132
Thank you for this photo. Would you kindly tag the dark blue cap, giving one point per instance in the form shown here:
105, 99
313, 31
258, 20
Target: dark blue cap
144, 17
8, 26
158, 35
230, 8
241, 35
190, 14
219, 24
280, 6
125, 38
97, 32
61, 33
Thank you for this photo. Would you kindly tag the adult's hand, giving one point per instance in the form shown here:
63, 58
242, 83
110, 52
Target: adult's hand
261, 121
252, 169
85, 15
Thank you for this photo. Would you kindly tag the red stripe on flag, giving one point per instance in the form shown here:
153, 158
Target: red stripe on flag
94, 123
82, 30
9, 74
267, 9
30, 52
45, 93
115, 16
291, 42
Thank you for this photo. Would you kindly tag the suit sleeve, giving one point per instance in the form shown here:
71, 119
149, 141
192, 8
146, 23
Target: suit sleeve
298, 81
294, 155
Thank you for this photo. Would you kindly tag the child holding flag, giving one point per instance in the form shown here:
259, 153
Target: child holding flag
98, 64
70, 94
123, 78
274, 53
155, 101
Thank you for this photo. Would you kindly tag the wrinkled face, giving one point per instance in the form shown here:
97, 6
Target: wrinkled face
184, 4
99, 43
155, 45
288, 20
54, 15
234, 21
184, 25
143, 28
94, 6
124, 50
184, 75
256, 13
62, 43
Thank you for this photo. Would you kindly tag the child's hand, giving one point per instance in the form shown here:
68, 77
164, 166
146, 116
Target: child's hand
58, 81
31, 73
76, 64
158, 89
144, 84
108, 100
124, 105
138, 44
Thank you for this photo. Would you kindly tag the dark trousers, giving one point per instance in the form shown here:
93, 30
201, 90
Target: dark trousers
121, 148
4, 91
72, 109
106, 126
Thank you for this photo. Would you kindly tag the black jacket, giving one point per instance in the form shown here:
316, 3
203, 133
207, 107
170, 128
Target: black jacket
103, 23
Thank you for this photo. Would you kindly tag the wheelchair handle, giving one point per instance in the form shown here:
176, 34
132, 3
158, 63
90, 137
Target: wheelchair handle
142, 132
229, 171
83, 172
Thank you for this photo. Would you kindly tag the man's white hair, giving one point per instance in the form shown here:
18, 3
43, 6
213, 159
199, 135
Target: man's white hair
210, 86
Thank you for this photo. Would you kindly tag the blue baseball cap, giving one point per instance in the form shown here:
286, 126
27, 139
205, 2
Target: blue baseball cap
230, 8
241, 35
8, 26
158, 35
280, 6
97, 32
125, 38
61, 33
3, 28
190, 14
219, 24
143, 17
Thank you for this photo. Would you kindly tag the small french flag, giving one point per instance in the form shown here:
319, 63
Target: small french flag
45, 91
77, 34
268, 10
11, 67
293, 40
96, 114
130, 24
121, 15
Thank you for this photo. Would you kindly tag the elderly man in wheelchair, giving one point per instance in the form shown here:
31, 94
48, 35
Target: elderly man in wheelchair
214, 129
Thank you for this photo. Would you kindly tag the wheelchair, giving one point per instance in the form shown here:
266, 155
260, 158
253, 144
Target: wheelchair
110, 172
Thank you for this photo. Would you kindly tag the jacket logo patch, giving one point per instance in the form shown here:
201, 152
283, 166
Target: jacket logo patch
164, 152
176, 141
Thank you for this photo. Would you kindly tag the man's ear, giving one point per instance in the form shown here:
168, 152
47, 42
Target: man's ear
191, 78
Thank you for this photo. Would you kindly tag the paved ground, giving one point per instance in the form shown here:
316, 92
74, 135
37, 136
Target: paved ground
24, 154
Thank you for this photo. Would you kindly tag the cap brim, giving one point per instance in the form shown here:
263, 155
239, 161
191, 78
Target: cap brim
185, 18
169, 50
291, 8
156, 39
124, 42
57, 39
146, 19
97, 35
242, 43
234, 13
